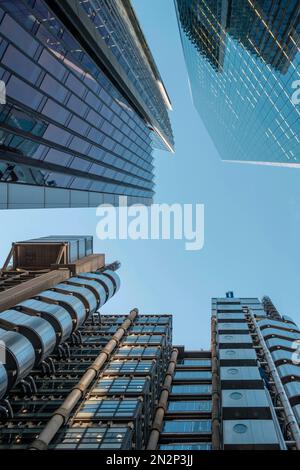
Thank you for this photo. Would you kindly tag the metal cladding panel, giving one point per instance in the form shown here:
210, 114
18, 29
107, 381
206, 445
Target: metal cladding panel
101, 282
276, 324
21, 350
115, 277
56, 315
3, 381
292, 389
74, 303
282, 354
278, 332
244, 398
279, 342
41, 332
249, 432
92, 285
231, 316
239, 373
289, 319
89, 297
237, 354
109, 284
286, 370
235, 339
233, 326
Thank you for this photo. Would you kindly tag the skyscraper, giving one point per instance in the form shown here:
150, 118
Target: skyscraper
242, 58
85, 104
73, 378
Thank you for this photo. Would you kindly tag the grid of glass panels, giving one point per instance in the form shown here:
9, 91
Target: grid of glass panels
110, 21
191, 389
100, 437
194, 362
190, 405
191, 375
120, 385
148, 329
63, 114
152, 319
195, 426
143, 339
132, 351
186, 446
103, 409
244, 74
129, 367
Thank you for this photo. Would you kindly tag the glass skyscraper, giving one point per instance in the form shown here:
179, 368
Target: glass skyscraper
243, 63
85, 105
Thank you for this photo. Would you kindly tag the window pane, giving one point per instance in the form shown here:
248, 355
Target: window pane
191, 389
192, 375
187, 426
190, 405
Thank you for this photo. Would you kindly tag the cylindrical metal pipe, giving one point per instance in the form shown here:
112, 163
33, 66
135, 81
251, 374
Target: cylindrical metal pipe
215, 412
163, 401
291, 420
62, 414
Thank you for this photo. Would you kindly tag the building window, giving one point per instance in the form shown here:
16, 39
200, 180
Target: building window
137, 351
186, 446
191, 389
142, 339
130, 367
149, 329
192, 375
94, 408
187, 426
195, 362
100, 437
120, 385
190, 405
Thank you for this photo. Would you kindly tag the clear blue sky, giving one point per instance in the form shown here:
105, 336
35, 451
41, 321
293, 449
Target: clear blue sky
252, 216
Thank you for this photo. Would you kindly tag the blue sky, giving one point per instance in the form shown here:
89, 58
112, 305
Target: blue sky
252, 217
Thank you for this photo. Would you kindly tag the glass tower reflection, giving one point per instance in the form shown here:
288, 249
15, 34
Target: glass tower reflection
85, 104
243, 59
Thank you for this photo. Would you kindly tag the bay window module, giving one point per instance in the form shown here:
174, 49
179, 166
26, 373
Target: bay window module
130, 367
98, 437
108, 409
137, 351
196, 426
153, 320
143, 339
121, 385
149, 329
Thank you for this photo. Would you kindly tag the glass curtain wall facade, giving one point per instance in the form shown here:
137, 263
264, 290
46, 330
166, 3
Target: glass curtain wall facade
187, 421
243, 62
85, 104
